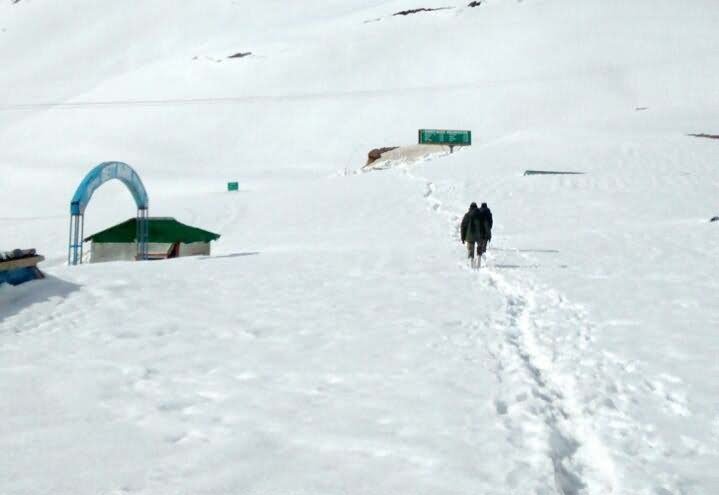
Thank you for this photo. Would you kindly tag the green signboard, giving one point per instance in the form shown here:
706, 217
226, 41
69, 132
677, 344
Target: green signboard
233, 186
450, 138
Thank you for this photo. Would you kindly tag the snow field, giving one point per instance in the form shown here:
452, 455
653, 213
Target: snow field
605, 409
336, 341
240, 383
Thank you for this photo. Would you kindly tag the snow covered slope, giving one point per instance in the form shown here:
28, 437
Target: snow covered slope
336, 341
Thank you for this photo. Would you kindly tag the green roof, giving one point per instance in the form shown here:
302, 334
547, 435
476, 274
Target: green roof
161, 230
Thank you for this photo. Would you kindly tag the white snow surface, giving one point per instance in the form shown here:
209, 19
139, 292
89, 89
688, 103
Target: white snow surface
336, 342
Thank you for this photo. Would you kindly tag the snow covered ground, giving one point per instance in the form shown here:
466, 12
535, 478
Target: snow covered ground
336, 341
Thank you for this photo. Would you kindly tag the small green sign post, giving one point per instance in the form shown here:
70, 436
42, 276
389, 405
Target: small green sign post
445, 137
233, 186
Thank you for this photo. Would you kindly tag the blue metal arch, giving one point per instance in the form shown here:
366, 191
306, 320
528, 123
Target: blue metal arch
92, 181
103, 173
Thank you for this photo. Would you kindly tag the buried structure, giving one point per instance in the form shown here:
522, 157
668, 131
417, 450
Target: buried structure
20, 266
166, 238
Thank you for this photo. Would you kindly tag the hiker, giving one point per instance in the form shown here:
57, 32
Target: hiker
476, 229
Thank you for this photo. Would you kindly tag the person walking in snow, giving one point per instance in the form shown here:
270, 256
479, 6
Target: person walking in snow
476, 230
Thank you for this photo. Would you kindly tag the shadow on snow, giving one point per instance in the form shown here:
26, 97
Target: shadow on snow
13, 300
232, 255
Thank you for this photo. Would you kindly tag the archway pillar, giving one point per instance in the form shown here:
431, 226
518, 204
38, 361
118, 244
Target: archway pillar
77, 232
143, 233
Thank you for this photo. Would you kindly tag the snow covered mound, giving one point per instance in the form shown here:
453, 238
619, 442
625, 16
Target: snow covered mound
404, 155
336, 341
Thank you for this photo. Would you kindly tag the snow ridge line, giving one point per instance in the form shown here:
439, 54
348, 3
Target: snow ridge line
581, 464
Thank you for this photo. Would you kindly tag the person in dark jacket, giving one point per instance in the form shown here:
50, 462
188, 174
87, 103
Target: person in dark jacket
476, 229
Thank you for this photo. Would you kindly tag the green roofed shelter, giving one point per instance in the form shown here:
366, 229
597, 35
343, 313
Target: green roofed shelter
167, 238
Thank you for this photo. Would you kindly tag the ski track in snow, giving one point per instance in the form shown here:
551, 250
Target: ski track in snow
560, 396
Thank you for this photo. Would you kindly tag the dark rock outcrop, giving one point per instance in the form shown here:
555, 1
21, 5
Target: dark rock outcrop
417, 11
240, 55
376, 154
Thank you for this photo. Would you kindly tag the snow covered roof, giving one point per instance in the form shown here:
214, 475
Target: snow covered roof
161, 229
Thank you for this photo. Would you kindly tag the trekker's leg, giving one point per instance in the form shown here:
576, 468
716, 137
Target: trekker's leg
470, 249
481, 249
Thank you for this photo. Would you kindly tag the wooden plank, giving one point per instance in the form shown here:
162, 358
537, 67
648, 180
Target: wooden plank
20, 263
704, 135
